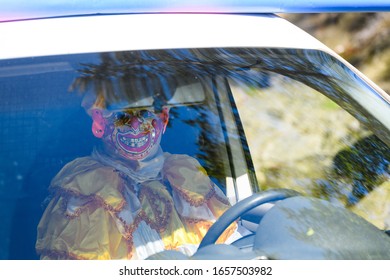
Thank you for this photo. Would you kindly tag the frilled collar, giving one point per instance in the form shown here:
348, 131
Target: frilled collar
139, 171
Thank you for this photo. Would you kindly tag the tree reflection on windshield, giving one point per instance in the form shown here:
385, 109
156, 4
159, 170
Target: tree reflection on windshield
360, 161
365, 164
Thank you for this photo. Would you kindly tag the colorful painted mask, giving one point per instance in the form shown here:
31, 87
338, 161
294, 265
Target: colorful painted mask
132, 133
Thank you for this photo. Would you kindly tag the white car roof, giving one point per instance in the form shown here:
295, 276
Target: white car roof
86, 34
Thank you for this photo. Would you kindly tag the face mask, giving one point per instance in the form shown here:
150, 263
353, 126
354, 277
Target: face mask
132, 133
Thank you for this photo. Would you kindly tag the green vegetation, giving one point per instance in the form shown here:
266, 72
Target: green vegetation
363, 39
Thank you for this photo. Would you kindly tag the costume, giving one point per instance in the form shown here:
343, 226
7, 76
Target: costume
104, 208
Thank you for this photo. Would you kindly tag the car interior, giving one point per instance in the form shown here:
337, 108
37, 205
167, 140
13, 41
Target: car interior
43, 126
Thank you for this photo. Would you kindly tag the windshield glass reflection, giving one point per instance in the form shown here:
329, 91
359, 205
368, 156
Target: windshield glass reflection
254, 119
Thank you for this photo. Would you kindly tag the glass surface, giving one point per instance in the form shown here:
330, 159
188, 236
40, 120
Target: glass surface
302, 140
254, 118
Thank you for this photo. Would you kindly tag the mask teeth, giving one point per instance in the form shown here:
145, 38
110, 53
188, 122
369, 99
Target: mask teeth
135, 143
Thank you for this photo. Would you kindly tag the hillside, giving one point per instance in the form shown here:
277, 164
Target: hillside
361, 38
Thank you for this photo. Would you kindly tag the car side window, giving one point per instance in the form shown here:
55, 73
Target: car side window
302, 140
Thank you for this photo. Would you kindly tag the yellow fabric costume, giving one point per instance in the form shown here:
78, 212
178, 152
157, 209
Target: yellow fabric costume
99, 212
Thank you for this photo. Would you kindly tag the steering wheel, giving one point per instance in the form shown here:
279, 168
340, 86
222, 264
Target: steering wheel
240, 208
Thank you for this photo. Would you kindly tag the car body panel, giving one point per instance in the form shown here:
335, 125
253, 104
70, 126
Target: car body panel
148, 31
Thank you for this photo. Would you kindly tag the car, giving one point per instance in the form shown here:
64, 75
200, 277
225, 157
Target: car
297, 139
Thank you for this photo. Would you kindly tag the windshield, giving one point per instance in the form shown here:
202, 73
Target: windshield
254, 119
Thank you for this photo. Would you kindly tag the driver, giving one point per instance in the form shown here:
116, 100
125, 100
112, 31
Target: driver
129, 199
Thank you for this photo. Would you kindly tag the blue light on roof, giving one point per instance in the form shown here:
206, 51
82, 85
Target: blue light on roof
24, 9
